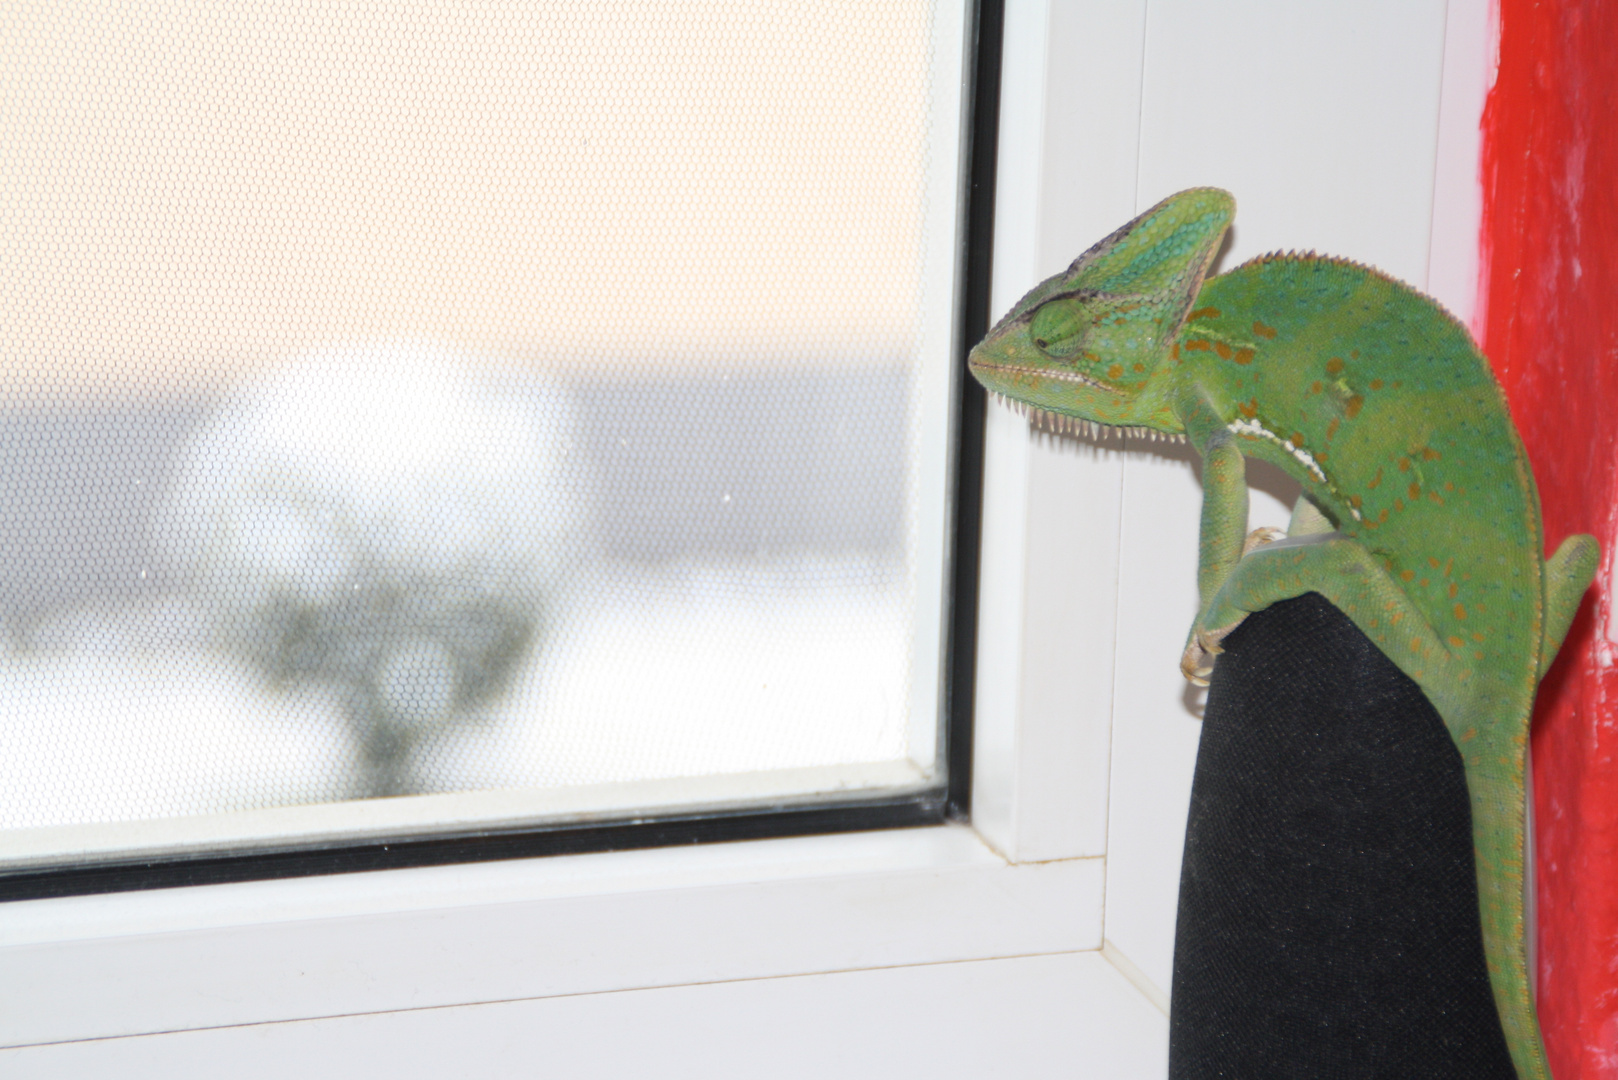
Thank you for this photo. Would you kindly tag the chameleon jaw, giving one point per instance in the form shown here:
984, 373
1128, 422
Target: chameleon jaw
1060, 424
1048, 373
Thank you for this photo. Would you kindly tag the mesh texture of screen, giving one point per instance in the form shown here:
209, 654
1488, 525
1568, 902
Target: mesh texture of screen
404, 398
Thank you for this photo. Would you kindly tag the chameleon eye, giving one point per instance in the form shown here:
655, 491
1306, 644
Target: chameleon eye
1057, 328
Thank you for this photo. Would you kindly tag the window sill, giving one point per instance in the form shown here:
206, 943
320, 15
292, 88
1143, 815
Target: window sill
183, 959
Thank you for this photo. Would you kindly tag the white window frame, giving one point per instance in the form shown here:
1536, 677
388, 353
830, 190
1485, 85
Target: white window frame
1083, 742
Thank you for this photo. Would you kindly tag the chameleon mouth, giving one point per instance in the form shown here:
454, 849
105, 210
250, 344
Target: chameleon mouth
1058, 424
1046, 373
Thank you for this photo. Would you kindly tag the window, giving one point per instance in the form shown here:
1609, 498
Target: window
1036, 939
443, 430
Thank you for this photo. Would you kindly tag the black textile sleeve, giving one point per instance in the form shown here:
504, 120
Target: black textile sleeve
1328, 924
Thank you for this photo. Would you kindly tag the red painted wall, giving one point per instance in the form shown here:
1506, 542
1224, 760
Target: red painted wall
1550, 326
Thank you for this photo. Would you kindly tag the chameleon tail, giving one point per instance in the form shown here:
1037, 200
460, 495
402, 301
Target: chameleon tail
1567, 574
1498, 804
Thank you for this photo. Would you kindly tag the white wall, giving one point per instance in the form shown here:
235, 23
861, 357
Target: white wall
1324, 121
1038, 942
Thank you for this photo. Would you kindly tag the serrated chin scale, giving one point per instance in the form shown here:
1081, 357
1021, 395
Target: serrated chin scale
1058, 424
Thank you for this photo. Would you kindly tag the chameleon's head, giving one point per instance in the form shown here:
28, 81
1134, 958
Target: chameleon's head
1086, 342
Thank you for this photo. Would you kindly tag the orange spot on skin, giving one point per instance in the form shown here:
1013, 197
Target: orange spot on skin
1425, 582
1174, 353
1315, 387
1477, 636
1137, 368
1375, 480
1222, 349
1477, 656
1449, 486
1320, 455
1398, 504
1369, 523
1248, 409
1404, 464
1415, 491
1376, 384
1331, 428
1334, 365
1456, 643
1243, 356
1353, 406
1469, 734
1408, 575
1382, 517
1115, 372
1429, 454
1436, 497
1204, 313
1432, 562
1297, 439
1449, 564
1453, 589
1460, 611
1197, 345
1354, 501
1263, 331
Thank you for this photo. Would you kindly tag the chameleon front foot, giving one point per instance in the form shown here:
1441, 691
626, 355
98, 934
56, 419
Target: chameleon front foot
1197, 662
1267, 534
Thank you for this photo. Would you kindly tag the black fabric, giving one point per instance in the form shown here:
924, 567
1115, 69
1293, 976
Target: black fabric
1328, 924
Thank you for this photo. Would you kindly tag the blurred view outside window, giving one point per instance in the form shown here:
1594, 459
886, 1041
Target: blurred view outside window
415, 415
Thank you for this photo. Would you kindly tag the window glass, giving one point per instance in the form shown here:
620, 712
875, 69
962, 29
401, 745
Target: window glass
423, 415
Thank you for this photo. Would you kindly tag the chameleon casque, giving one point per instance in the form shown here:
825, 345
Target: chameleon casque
1419, 518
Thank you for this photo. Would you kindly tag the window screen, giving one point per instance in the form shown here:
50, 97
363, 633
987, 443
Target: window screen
423, 416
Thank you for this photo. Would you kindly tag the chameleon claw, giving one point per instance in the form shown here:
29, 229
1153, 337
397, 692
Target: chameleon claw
1259, 537
1196, 663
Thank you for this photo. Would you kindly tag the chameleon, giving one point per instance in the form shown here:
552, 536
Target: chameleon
1418, 519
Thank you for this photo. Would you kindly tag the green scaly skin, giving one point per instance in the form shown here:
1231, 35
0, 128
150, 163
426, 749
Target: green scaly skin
1420, 518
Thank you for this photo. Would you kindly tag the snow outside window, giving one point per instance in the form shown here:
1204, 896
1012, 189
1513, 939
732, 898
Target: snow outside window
449, 416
